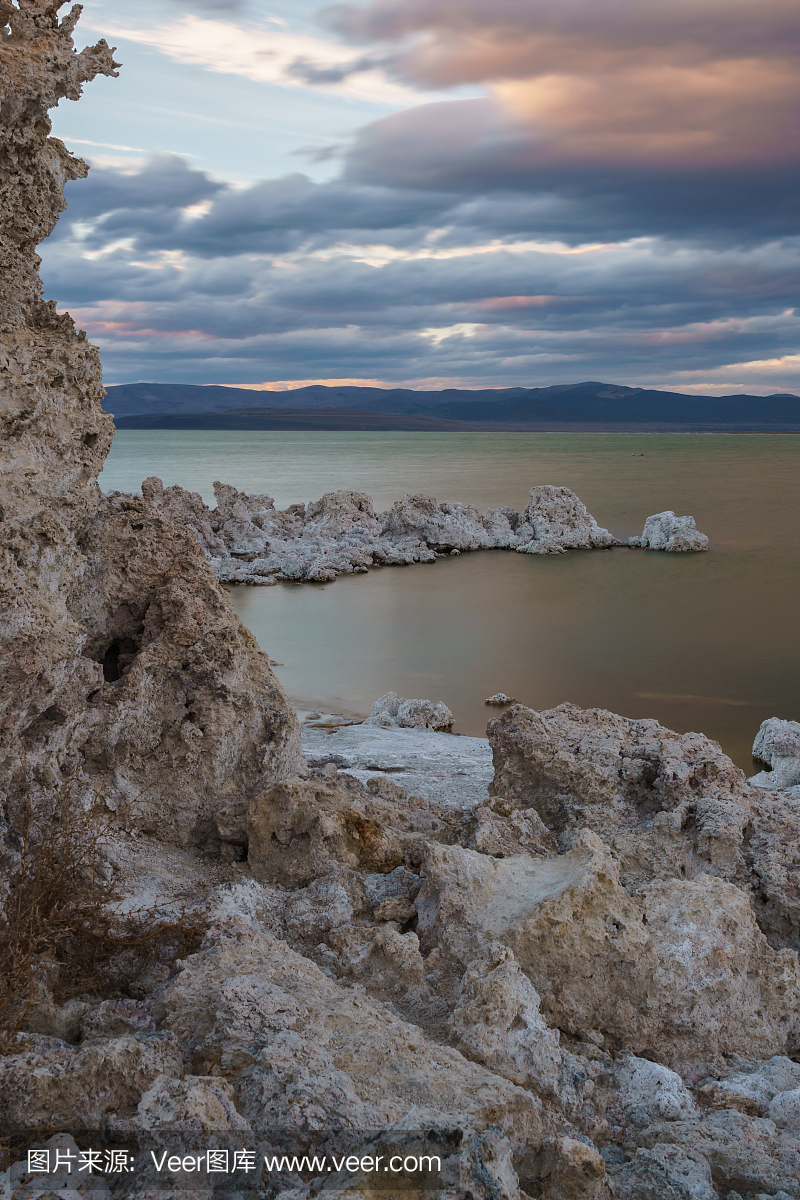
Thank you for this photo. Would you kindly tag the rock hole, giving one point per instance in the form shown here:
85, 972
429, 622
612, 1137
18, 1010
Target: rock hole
119, 655
90, 439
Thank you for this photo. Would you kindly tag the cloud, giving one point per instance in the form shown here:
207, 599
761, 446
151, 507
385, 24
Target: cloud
633, 82
270, 55
180, 278
471, 146
619, 203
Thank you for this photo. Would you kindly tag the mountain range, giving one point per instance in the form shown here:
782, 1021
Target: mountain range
591, 404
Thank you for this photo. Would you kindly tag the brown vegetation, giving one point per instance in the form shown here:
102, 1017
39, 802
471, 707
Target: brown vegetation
63, 927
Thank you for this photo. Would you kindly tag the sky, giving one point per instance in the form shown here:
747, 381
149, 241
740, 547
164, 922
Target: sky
438, 193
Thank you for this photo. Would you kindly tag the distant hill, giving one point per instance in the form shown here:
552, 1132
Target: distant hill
591, 404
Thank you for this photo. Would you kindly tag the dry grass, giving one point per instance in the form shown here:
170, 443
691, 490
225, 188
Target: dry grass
61, 914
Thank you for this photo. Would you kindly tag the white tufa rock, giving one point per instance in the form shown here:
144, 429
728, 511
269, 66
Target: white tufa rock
676, 535
499, 698
778, 745
650, 1092
392, 711
554, 520
248, 540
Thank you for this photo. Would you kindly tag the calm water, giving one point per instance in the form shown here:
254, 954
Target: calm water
708, 642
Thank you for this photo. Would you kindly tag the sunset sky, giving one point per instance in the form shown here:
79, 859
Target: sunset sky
438, 193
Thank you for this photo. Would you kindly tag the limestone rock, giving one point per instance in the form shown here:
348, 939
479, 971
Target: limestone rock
665, 1173
571, 1170
670, 805
391, 710
747, 1155
682, 966
249, 541
121, 657
115, 1018
651, 1092
302, 830
446, 527
57, 1086
65, 1181
192, 1105
497, 1022
555, 520
305, 1054
752, 1092
778, 745
785, 1110
676, 535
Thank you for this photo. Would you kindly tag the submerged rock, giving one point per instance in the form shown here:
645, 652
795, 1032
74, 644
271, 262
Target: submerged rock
665, 531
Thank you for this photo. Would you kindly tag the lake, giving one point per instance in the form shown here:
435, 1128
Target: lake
707, 642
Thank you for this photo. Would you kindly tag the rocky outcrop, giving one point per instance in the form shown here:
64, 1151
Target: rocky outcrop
584, 981
676, 535
121, 658
594, 1022
669, 806
248, 540
612, 967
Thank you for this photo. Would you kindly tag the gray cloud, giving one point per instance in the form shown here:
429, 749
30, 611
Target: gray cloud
222, 303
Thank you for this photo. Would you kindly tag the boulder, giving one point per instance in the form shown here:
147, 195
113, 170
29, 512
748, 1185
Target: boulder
306, 1055
496, 1021
752, 1092
670, 805
445, 527
54, 1086
665, 1173
301, 831
651, 1092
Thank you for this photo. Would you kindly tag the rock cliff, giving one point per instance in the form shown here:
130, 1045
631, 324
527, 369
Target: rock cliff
120, 655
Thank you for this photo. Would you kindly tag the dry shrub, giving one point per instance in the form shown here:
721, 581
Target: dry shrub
61, 921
